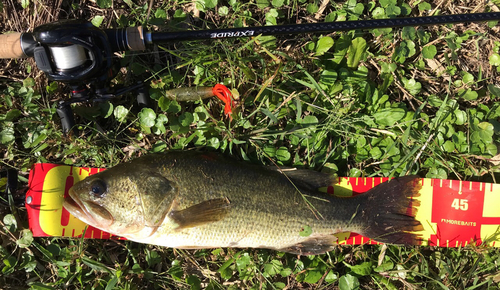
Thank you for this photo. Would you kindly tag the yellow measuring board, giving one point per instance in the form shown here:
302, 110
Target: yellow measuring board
453, 213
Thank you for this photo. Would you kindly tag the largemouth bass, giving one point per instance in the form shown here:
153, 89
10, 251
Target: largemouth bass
194, 200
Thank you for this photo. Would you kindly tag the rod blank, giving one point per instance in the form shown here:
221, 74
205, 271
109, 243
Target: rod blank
160, 37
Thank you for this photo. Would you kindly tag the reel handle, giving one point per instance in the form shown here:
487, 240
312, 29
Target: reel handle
66, 115
143, 98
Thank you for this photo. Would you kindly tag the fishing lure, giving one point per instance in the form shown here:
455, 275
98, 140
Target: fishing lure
200, 93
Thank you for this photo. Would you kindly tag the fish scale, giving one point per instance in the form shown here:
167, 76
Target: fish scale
205, 200
253, 216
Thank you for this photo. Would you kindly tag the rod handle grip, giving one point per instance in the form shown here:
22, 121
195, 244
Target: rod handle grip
135, 38
10, 45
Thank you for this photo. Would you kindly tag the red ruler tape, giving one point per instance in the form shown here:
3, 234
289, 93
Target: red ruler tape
453, 213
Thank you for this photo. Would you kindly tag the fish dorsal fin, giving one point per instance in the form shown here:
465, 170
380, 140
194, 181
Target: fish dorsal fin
314, 245
202, 213
306, 178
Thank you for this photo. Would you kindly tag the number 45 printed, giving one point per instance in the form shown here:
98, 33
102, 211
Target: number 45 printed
460, 204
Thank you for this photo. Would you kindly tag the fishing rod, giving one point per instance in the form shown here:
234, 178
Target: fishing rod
80, 55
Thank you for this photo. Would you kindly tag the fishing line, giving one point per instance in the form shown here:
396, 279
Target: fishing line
68, 57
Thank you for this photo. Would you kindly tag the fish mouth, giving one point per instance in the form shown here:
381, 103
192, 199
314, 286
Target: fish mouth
83, 211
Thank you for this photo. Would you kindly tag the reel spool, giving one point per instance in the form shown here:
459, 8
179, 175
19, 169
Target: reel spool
72, 51
68, 57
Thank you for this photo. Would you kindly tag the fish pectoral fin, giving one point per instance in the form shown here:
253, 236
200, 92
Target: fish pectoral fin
314, 245
202, 213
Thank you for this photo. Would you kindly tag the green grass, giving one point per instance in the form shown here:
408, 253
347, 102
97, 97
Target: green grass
386, 102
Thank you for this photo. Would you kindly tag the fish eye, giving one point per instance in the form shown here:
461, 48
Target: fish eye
98, 188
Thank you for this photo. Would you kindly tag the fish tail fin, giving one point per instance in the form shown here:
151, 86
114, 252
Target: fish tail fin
391, 212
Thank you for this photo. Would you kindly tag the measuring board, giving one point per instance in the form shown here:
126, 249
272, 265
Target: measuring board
453, 213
